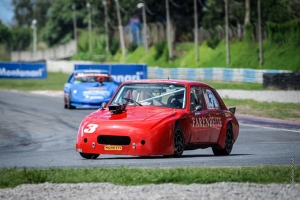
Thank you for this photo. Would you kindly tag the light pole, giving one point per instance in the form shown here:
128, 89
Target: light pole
106, 26
196, 30
227, 33
120, 28
170, 46
74, 22
143, 5
33, 26
88, 5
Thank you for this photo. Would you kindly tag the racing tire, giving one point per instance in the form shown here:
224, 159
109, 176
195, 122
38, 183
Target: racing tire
89, 155
179, 142
65, 104
69, 104
228, 143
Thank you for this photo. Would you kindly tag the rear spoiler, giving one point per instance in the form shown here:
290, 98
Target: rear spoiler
232, 110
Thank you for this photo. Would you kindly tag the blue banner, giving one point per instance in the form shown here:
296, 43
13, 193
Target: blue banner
23, 70
120, 72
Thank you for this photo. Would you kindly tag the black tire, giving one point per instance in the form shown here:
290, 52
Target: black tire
228, 143
89, 155
65, 103
69, 104
178, 141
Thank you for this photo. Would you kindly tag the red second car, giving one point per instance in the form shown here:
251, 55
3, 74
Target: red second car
159, 117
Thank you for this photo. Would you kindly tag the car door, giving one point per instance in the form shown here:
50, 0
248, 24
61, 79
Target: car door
215, 115
200, 129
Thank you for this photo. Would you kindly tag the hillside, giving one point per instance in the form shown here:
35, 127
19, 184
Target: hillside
243, 55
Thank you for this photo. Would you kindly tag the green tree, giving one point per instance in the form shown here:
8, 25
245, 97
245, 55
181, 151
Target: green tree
5, 35
27, 10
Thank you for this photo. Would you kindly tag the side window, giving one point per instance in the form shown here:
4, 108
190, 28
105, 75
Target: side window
211, 100
196, 98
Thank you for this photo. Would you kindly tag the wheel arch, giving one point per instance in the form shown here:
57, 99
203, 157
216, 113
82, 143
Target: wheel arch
222, 136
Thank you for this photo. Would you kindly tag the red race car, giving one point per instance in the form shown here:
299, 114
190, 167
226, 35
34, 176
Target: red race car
159, 117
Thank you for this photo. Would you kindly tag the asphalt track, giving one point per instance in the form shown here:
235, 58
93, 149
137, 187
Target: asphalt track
37, 132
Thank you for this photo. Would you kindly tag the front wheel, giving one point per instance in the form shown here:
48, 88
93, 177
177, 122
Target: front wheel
178, 141
228, 143
69, 104
89, 155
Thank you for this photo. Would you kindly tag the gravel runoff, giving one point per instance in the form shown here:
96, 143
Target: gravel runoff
106, 191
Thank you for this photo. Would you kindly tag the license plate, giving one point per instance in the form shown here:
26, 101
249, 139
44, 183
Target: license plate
114, 148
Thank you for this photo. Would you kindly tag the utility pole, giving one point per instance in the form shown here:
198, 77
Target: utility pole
227, 33
169, 31
261, 59
145, 27
88, 5
74, 23
196, 30
33, 26
120, 29
106, 26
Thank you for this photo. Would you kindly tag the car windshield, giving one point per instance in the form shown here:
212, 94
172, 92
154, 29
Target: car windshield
152, 94
91, 77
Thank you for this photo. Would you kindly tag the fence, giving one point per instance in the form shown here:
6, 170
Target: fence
60, 52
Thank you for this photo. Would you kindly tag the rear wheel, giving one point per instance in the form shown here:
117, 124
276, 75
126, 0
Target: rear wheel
178, 141
89, 155
228, 143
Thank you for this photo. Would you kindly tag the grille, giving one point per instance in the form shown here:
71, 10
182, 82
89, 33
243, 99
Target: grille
113, 140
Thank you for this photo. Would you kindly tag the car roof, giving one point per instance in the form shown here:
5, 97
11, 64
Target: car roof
90, 70
183, 82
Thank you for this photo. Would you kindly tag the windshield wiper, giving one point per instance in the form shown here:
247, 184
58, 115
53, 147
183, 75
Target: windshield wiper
132, 101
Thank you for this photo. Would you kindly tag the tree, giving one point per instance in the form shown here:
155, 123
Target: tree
27, 10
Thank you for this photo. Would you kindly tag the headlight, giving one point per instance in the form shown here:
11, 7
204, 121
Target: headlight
75, 91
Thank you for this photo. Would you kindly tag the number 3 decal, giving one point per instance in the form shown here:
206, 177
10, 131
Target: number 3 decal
91, 129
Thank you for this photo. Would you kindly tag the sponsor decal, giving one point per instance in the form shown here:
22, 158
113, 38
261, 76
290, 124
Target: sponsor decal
207, 122
127, 77
114, 148
21, 73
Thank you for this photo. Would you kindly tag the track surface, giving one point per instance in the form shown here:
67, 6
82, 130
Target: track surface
36, 132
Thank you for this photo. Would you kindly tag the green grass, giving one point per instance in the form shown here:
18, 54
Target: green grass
138, 176
54, 81
265, 109
242, 55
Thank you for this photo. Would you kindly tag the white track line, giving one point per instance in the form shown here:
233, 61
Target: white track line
282, 129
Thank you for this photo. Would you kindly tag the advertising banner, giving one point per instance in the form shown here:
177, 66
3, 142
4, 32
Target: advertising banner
119, 72
23, 70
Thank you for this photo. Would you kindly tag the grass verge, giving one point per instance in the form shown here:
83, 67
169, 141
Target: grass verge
139, 176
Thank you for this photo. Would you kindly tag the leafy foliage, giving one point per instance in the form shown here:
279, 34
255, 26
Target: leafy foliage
132, 47
21, 39
159, 49
114, 46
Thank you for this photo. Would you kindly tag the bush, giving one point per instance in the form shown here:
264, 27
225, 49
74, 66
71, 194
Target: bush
213, 43
159, 49
114, 46
132, 47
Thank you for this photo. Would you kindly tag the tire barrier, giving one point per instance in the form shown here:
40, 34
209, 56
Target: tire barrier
214, 74
281, 81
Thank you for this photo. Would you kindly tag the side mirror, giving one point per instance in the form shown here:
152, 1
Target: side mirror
103, 105
198, 108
